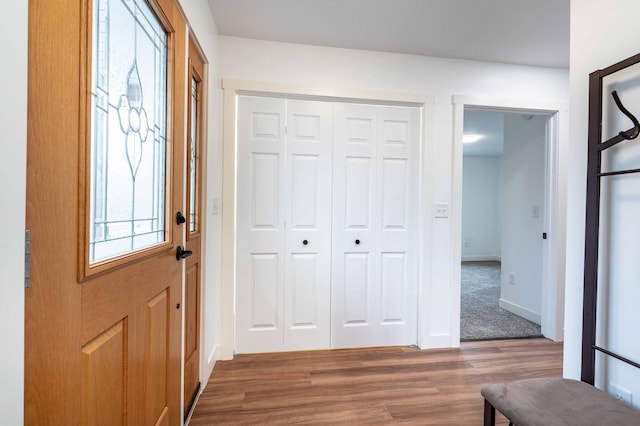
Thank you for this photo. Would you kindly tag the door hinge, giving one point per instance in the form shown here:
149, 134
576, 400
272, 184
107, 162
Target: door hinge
27, 258
544, 235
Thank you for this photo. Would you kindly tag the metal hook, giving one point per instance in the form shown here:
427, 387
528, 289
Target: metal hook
633, 132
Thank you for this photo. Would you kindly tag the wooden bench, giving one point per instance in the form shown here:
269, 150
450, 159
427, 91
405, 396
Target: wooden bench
551, 402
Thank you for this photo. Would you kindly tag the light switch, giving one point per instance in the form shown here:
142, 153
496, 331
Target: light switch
214, 206
535, 212
442, 210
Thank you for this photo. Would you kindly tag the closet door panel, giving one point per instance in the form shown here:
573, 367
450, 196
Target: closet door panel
307, 192
397, 248
260, 225
354, 194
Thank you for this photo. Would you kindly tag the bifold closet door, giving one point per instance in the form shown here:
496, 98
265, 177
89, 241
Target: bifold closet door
375, 192
284, 225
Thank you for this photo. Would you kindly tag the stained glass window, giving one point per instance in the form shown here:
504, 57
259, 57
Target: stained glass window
128, 129
193, 157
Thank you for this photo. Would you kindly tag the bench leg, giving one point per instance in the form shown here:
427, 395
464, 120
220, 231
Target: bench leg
489, 414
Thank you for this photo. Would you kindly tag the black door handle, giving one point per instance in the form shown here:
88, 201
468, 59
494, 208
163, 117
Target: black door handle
181, 253
357, 242
305, 242
180, 219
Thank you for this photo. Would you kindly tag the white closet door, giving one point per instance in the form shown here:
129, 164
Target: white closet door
374, 281
260, 225
354, 193
308, 225
397, 248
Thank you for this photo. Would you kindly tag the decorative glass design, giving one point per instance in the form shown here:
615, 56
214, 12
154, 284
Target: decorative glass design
193, 157
128, 129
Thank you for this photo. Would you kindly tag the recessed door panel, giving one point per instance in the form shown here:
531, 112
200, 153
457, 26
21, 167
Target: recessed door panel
305, 181
156, 364
356, 289
104, 371
264, 292
395, 193
307, 127
394, 288
265, 190
360, 129
358, 192
266, 126
304, 285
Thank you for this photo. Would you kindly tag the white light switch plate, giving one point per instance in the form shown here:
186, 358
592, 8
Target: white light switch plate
215, 206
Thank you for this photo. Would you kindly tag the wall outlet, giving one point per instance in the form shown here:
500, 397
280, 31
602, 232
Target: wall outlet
442, 210
621, 393
512, 278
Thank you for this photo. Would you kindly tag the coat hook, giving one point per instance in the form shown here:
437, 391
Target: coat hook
633, 132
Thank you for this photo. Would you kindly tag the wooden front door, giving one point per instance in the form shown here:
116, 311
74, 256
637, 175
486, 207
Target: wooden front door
195, 130
104, 184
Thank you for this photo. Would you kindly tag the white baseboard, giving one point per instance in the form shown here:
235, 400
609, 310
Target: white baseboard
437, 341
208, 367
478, 258
520, 311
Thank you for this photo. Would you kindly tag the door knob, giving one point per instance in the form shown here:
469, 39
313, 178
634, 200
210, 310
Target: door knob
180, 219
357, 242
181, 253
305, 242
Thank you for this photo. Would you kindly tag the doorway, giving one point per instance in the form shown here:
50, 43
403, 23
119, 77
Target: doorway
503, 195
552, 269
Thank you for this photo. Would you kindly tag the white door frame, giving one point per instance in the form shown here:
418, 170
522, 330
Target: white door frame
233, 88
552, 310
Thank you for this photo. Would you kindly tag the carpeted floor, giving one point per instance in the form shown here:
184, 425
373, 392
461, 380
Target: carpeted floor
480, 316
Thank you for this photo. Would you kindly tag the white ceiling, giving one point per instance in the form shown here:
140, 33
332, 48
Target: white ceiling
529, 32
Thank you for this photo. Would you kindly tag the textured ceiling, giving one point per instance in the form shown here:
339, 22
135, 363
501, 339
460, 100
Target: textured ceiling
528, 32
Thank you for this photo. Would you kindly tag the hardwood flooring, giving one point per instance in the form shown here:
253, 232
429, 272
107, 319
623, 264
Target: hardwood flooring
396, 385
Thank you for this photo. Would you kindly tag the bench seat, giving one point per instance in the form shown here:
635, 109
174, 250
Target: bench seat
551, 402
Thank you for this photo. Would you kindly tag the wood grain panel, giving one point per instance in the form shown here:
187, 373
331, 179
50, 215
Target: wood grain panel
157, 338
194, 239
391, 385
103, 378
191, 320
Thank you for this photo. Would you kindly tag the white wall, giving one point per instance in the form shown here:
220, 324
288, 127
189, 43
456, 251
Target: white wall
601, 35
481, 208
523, 180
354, 69
202, 24
13, 143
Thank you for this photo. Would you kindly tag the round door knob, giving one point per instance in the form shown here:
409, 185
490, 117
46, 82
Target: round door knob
305, 242
357, 242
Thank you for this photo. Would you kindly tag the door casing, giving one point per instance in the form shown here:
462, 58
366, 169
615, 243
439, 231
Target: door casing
554, 248
233, 88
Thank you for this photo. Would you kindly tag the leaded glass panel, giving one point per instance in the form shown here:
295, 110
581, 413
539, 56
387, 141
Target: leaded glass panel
128, 129
193, 157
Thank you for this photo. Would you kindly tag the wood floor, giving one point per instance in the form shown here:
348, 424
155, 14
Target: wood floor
397, 385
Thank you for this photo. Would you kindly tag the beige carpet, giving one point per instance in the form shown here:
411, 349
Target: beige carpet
480, 316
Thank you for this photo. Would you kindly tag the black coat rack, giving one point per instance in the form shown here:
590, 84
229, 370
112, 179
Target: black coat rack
594, 176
